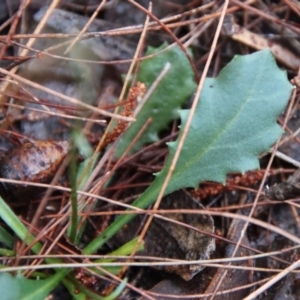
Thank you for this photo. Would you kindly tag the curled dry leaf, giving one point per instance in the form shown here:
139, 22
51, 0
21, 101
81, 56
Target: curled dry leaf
169, 240
35, 161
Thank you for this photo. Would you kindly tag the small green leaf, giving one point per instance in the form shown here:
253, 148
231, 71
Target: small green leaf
79, 174
6, 252
85, 293
234, 122
82, 144
122, 251
21, 288
9, 217
168, 97
82, 176
73, 195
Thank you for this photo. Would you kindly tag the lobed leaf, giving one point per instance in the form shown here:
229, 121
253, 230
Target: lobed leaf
234, 122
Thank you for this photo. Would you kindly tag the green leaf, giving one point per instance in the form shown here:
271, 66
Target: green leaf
168, 97
122, 251
82, 144
6, 238
78, 175
6, 252
84, 293
21, 288
233, 123
73, 194
9, 217
82, 176
73, 290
